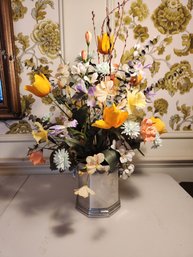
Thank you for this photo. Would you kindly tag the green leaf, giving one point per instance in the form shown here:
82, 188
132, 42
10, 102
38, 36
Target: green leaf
72, 142
112, 158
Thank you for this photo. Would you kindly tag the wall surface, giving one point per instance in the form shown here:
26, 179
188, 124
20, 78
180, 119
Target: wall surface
39, 26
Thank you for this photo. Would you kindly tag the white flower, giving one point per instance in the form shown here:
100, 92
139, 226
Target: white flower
91, 79
105, 89
79, 69
157, 142
127, 172
126, 155
61, 159
131, 129
103, 68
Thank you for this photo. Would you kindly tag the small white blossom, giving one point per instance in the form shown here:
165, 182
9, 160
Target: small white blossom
131, 129
126, 155
157, 142
61, 159
127, 172
79, 69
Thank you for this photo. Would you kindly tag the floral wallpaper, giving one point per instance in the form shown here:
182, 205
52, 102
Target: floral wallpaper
167, 23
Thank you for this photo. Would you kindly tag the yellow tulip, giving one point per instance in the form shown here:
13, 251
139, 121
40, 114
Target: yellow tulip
112, 117
41, 134
41, 86
159, 124
105, 44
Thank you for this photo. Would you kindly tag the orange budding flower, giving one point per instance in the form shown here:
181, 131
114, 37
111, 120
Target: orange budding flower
84, 55
88, 37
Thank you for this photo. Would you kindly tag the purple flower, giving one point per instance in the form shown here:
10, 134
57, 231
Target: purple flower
81, 88
91, 91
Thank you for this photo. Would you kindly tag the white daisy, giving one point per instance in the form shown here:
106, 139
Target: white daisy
131, 128
61, 159
103, 68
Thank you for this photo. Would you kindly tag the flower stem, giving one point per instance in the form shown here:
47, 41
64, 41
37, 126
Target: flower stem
55, 102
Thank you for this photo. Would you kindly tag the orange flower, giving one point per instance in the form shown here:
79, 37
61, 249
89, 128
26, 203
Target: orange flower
113, 117
148, 131
41, 86
105, 44
37, 158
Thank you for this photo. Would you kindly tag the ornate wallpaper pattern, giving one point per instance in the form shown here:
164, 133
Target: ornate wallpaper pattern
37, 37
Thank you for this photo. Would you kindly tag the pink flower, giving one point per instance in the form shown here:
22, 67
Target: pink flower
37, 158
148, 131
88, 37
84, 55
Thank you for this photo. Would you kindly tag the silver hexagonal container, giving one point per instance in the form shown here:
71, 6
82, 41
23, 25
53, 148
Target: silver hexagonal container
106, 200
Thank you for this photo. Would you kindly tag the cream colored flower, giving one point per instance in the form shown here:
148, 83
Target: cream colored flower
105, 89
84, 191
94, 163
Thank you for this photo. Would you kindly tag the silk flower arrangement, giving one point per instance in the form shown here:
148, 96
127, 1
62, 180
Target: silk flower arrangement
102, 107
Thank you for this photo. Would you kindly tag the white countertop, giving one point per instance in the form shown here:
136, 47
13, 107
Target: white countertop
38, 218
